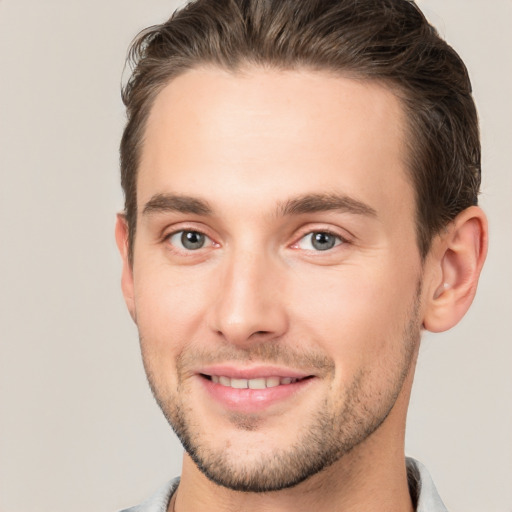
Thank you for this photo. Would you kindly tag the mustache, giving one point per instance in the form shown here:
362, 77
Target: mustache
268, 352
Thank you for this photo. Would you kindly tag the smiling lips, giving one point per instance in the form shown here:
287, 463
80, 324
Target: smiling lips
252, 391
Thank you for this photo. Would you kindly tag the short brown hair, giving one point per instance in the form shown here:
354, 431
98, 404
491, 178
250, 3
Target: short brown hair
385, 40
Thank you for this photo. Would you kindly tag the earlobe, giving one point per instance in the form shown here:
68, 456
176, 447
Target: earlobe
122, 240
457, 260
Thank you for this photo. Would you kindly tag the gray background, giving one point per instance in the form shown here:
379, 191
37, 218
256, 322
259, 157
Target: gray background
78, 428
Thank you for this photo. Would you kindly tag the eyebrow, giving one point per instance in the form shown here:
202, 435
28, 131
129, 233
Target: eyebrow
312, 203
309, 203
161, 203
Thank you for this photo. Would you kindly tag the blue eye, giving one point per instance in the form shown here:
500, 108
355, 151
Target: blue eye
319, 241
188, 240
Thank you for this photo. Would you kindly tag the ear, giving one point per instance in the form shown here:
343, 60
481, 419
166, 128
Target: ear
122, 240
455, 262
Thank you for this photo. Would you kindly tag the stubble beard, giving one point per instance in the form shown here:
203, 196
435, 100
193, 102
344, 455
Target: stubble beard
331, 433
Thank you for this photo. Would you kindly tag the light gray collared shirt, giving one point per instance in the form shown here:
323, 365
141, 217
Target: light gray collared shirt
421, 486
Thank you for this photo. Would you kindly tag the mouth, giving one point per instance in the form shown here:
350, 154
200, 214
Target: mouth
254, 390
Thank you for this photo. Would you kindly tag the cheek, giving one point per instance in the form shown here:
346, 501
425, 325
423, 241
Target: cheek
357, 316
170, 308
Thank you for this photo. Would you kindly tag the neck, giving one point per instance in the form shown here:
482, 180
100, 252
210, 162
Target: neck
378, 488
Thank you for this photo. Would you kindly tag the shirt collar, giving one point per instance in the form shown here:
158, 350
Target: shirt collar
422, 488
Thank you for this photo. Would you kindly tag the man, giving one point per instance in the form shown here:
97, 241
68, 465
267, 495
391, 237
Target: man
301, 182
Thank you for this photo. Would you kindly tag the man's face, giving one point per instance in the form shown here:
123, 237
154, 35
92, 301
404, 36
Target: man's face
276, 277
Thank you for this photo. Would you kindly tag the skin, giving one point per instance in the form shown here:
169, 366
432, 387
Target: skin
243, 146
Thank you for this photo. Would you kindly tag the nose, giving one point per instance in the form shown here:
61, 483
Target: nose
249, 305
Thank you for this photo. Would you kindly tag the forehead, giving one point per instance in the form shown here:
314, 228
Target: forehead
268, 134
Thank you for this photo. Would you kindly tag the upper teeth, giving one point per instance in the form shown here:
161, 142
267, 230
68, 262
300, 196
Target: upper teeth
259, 383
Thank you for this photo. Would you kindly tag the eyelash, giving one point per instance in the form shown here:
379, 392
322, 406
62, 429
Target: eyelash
340, 240
167, 238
